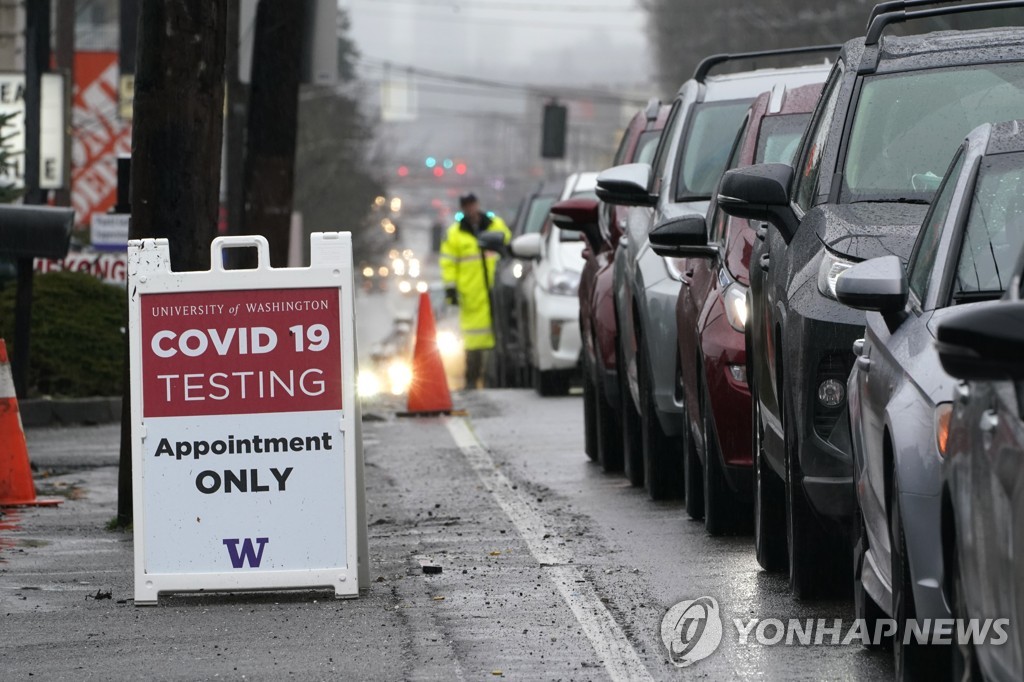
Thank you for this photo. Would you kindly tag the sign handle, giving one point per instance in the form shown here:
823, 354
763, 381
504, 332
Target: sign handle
240, 242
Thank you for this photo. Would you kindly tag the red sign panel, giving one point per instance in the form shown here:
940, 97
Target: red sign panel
99, 135
241, 352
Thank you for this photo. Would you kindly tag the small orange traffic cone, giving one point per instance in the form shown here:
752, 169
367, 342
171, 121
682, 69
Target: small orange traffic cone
16, 487
429, 392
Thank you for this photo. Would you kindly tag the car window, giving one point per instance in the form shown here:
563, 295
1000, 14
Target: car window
709, 138
539, 209
809, 169
907, 125
574, 235
779, 138
620, 153
717, 232
994, 232
661, 155
922, 260
646, 146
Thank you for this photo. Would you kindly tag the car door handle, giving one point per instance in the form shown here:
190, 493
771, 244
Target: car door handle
864, 364
762, 231
765, 259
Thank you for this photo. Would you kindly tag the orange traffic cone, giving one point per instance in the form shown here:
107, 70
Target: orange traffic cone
16, 487
429, 392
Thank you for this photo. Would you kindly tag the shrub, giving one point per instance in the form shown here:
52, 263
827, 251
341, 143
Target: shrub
77, 343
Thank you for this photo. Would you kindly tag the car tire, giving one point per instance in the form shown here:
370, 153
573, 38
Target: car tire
816, 565
769, 499
724, 512
551, 383
589, 414
609, 433
632, 445
965, 657
911, 660
865, 608
663, 472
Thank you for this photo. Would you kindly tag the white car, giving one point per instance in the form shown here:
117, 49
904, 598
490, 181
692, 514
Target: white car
552, 303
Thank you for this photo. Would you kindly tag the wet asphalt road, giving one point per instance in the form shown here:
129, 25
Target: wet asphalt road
551, 570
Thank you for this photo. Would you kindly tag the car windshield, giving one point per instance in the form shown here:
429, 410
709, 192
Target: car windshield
573, 235
779, 138
646, 146
539, 208
908, 125
994, 233
709, 139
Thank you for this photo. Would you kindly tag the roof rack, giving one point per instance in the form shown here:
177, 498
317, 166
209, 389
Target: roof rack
652, 109
896, 5
714, 60
880, 21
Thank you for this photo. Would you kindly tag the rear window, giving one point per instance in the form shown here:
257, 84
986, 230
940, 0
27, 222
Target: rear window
709, 139
779, 138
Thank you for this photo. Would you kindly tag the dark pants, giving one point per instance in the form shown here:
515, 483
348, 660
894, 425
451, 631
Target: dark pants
475, 362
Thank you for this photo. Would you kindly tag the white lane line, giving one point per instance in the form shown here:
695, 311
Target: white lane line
610, 643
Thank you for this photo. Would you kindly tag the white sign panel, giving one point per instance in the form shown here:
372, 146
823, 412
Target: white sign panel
51, 134
109, 231
246, 450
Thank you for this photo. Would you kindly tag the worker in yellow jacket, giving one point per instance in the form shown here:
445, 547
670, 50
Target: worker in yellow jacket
468, 276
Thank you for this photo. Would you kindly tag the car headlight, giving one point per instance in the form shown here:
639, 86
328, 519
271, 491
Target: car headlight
736, 306
563, 282
832, 266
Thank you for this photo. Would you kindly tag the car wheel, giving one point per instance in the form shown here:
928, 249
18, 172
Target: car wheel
589, 414
966, 667
632, 445
724, 512
769, 499
609, 432
815, 567
912, 660
864, 606
663, 470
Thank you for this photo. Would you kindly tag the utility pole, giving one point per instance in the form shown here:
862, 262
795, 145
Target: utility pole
176, 144
65, 61
37, 58
273, 125
234, 128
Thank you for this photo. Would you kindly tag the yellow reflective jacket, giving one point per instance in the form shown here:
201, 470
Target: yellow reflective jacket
462, 267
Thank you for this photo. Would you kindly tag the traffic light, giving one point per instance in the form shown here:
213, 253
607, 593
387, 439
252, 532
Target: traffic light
403, 171
460, 168
431, 162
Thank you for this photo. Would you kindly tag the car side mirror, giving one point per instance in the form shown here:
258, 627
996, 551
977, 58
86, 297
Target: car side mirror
627, 185
760, 192
682, 237
879, 285
526, 246
984, 343
491, 240
579, 215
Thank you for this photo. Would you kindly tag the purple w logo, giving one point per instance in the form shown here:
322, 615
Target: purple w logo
248, 553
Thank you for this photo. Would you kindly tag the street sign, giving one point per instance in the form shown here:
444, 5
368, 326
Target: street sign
246, 446
51, 134
109, 231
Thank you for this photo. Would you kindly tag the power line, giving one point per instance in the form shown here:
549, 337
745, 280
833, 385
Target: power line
459, 5
549, 91
550, 25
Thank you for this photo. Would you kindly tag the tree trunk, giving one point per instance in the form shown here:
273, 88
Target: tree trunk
273, 123
176, 145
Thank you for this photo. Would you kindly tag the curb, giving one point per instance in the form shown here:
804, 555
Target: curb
37, 412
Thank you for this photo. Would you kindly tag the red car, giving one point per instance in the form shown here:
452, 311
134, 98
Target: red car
598, 326
710, 318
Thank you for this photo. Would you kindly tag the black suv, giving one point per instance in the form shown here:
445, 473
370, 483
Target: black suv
891, 114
